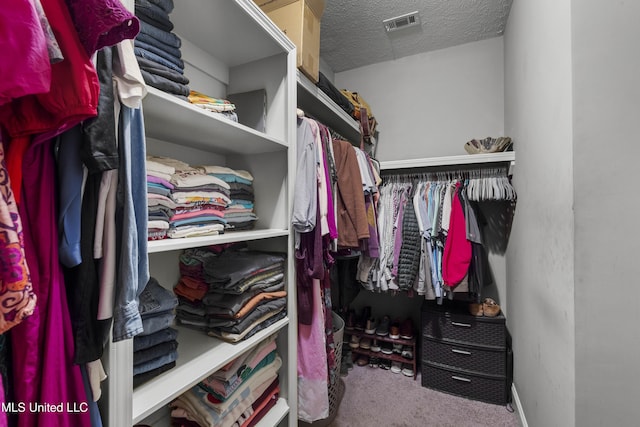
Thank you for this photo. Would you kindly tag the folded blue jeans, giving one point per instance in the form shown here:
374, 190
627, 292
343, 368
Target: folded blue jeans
154, 352
146, 376
157, 58
163, 84
155, 363
155, 299
166, 5
160, 70
152, 324
165, 54
154, 14
145, 38
160, 34
146, 341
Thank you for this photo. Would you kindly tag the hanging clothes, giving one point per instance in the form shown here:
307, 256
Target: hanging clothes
42, 345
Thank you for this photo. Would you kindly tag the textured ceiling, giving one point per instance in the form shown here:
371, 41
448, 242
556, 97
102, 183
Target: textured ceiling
353, 35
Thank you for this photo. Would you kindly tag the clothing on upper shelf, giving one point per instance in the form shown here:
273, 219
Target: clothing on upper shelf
190, 201
158, 49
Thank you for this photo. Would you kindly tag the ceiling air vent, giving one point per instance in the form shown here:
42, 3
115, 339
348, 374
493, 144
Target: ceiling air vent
402, 21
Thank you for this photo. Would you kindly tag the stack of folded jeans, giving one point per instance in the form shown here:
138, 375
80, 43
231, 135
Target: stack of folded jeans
157, 48
239, 213
239, 394
234, 294
156, 348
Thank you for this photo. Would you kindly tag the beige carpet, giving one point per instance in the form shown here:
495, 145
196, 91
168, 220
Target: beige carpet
375, 397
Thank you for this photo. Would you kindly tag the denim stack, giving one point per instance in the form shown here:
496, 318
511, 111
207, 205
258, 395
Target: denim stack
240, 393
232, 294
156, 348
157, 48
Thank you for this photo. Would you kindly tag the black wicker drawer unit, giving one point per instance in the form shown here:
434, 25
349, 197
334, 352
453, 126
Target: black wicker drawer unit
465, 355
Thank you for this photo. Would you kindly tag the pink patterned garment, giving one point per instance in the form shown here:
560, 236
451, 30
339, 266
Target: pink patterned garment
17, 298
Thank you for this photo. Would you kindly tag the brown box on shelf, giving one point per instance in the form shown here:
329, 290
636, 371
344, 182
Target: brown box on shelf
300, 21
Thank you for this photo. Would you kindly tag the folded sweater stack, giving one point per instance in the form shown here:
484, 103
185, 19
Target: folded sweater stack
240, 394
231, 295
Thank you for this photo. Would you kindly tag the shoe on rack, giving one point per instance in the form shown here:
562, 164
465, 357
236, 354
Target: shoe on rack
407, 370
490, 307
396, 367
406, 329
374, 362
475, 309
407, 352
394, 330
383, 328
397, 348
386, 348
365, 343
371, 326
362, 360
375, 347
355, 341
385, 364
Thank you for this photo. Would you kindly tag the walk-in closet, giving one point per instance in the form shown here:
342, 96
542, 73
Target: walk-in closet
318, 213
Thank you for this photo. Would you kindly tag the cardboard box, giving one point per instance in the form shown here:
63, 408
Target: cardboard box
300, 21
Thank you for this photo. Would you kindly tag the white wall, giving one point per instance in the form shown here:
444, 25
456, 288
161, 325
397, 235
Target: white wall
606, 111
540, 256
430, 104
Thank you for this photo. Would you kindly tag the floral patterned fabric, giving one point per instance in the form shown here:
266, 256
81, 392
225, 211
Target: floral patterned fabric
17, 299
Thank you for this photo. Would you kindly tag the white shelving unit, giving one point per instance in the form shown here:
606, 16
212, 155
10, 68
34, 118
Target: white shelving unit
315, 102
200, 354
464, 159
229, 47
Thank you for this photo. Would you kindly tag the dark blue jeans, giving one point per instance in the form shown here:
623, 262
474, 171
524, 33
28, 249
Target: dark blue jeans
141, 342
164, 36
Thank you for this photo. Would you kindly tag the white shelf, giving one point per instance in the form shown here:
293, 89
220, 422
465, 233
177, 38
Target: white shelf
253, 36
171, 119
162, 418
464, 159
165, 245
275, 415
315, 102
198, 356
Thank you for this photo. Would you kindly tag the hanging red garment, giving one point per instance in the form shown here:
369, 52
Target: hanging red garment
25, 66
72, 98
42, 345
457, 249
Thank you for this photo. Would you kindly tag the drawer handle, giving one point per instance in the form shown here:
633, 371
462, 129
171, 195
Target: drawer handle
466, 353
457, 378
463, 325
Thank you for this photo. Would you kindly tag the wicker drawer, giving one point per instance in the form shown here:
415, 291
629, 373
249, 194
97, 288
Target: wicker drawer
476, 359
484, 388
456, 327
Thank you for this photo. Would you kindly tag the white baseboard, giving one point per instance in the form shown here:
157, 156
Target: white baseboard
518, 404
